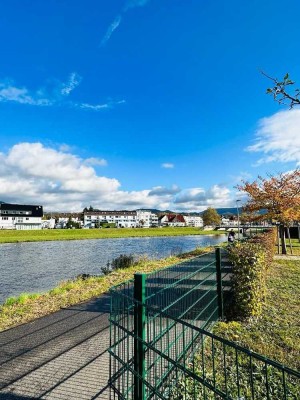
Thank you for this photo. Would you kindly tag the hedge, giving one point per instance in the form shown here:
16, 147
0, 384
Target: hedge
250, 260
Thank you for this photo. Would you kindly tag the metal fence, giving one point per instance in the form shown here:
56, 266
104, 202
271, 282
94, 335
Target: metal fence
161, 347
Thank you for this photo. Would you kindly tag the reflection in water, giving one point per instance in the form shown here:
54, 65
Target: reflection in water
37, 267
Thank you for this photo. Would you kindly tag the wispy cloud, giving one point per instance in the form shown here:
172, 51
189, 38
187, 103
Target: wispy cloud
167, 165
278, 138
242, 176
73, 82
96, 161
10, 92
116, 22
98, 107
112, 27
135, 3
65, 148
95, 107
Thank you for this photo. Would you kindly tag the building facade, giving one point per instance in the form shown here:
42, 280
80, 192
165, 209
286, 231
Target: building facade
193, 220
172, 220
180, 220
20, 217
120, 219
146, 219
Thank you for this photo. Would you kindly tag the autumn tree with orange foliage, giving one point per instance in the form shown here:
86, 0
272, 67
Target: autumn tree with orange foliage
279, 196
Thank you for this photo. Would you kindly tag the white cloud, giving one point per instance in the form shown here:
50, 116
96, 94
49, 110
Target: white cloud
98, 107
73, 82
35, 174
94, 107
135, 3
96, 161
59, 180
243, 176
163, 191
167, 165
64, 147
198, 198
112, 27
278, 138
116, 22
9, 92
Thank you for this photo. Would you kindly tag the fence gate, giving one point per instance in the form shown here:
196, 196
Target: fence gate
161, 347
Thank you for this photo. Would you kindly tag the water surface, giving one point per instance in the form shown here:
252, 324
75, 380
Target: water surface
39, 266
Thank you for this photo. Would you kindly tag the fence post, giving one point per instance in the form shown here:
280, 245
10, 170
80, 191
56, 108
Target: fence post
219, 283
139, 332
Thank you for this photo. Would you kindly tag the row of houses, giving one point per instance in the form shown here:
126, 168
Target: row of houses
17, 216
139, 219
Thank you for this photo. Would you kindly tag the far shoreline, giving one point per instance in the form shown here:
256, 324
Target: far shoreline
21, 236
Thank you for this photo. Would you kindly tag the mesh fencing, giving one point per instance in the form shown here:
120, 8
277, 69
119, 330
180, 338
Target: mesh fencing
161, 347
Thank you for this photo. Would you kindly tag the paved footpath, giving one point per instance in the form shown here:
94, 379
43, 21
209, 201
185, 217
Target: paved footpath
62, 356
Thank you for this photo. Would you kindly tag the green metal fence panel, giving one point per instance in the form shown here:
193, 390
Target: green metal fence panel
139, 332
161, 348
187, 290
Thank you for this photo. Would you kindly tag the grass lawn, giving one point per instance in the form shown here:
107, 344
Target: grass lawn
295, 247
13, 236
276, 332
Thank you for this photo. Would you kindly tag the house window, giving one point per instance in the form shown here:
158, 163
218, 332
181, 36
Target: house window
5, 218
27, 219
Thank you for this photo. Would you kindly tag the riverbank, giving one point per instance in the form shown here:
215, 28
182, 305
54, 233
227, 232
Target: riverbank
14, 236
275, 333
28, 307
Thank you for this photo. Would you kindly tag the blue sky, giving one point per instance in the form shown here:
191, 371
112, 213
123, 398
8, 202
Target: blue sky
143, 103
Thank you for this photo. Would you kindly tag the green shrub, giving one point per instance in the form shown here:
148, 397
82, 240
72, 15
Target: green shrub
250, 261
121, 262
248, 279
267, 241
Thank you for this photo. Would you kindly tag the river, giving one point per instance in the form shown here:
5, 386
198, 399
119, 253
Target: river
39, 266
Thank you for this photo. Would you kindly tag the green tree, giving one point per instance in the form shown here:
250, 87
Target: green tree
211, 217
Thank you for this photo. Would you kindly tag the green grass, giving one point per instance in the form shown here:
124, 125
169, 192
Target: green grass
27, 307
295, 247
276, 332
7, 236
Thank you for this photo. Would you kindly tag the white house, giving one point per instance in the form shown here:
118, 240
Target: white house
122, 219
172, 220
145, 219
64, 218
48, 223
193, 220
17, 216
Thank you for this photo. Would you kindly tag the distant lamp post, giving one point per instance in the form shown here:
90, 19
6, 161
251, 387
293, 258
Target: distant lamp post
238, 215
